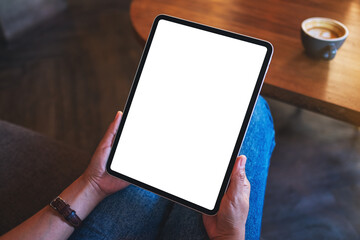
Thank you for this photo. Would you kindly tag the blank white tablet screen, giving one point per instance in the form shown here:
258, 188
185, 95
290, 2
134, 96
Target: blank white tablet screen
187, 111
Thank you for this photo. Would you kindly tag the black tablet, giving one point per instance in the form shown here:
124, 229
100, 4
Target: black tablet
188, 110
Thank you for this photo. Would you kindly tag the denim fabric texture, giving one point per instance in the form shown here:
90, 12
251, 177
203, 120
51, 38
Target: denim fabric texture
134, 213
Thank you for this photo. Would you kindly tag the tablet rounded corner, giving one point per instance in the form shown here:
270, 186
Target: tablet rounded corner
160, 17
269, 47
108, 168
212, 212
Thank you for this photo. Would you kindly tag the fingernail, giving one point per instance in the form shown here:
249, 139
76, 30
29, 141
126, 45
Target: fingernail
243, 161
117, 115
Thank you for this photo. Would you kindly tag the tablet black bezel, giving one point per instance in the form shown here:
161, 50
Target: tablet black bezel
243, 127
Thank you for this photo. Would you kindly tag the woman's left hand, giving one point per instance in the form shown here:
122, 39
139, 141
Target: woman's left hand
96, 173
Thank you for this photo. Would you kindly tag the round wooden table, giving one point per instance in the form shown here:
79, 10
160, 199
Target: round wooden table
328, 87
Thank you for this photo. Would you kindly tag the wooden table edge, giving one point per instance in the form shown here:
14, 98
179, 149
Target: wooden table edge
316, 105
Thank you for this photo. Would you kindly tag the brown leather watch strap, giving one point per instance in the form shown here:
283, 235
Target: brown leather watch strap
64, 209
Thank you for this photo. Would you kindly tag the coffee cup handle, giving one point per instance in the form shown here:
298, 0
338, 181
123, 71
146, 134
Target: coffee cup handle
329, 52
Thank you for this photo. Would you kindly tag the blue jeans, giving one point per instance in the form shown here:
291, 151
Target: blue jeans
134, 213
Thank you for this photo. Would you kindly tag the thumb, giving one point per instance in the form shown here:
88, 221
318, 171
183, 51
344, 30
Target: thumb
238, 181
110, 134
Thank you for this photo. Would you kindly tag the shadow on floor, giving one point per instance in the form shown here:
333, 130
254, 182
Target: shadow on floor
314, 180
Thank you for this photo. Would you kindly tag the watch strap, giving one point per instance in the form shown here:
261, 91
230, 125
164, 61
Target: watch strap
64, 209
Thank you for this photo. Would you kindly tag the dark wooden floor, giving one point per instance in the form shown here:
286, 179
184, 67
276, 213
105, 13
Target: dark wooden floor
67, 77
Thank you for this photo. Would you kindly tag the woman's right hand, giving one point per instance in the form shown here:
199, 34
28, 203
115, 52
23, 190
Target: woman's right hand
229, 223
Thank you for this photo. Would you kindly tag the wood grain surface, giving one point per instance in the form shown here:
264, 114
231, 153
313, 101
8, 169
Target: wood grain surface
328, 87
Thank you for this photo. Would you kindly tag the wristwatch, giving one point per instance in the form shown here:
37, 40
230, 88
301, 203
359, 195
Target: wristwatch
64, 209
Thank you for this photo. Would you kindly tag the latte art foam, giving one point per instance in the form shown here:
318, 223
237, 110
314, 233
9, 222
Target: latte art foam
322, 33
